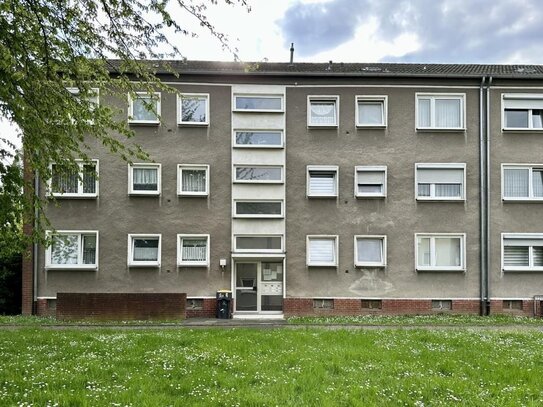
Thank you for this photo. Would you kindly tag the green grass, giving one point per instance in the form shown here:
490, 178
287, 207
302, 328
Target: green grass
438, 319
284, 367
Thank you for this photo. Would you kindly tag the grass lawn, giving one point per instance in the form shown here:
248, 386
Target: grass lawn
269, 367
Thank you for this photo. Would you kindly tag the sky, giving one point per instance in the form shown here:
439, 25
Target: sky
430, 31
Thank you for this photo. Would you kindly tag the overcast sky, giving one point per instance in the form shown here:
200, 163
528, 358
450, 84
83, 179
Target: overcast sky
439, 31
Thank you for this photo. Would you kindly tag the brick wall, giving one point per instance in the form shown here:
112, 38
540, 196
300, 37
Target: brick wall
208, 310
121, 306
342, 306
496, 307
46, 307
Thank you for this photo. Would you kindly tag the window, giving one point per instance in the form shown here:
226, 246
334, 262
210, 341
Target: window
322, 181
144, 250
72, 250
144, 108
443, 252
440, 182
258, 174
144, 179
322, 111
512, 305
522, 251
68, 183
322, 250
258, 103
195, 304
193, 250
258, 209
522, 111
441, 305
371, 111
193, 109
371, 304
258, 138
259, 243
370, 182
522, 182
323, 303
192, 180
92, 95
370, 251
440, 111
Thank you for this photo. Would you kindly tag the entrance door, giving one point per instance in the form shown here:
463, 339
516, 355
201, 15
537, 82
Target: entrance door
259, 287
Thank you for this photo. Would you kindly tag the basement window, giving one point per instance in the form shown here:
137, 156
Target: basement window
512, 305
195, 304
372, 304
441, 305
323, 303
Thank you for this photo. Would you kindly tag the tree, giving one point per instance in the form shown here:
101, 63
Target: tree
48, 49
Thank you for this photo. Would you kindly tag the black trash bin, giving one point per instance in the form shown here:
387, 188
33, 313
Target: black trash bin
224, 301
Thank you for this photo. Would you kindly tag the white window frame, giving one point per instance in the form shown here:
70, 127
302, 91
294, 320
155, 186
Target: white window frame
256, 95
242, 181
130, 260
184, 263
432, 237
323, 98
131, 190
260, 216
131, 120
181, 168
383, 263
372, 98
521, 96
331, 168
79, 193
433, 96
180, 96
79, 265
238, 250
440, 166
334, 263
521, 236
92, 99
530, 168
236, 145
370, 168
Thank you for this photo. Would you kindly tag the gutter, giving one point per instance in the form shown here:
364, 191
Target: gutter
482, 198
487, 200
35, 252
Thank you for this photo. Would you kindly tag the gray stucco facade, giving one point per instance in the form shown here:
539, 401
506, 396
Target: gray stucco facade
399, 145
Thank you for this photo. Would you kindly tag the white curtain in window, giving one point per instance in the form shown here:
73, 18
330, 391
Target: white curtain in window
516, 182
89, 249
447, 251
424, 113
64, 181
145, 250
145, 178
193, 180
194, 249
447, 112
423, 251
370, 250
370, 113
65, 249
322, 250
448, 190
89, 179
537, 183
323, 113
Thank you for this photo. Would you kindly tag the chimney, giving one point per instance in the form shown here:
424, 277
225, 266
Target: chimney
291, 53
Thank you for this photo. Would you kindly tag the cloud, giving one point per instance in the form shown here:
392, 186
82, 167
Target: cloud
462, 31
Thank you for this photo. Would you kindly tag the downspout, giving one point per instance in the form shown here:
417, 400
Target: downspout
482, 198
487, 200
35, 252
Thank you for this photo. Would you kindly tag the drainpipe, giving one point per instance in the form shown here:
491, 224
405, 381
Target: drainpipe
35, 254
487, 175
482, 198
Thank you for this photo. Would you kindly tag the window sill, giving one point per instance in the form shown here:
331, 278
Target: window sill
72, 196
149, 264
334, 265
193, 264
371, 126
195, 195
257, 111
72, 267
143, 123
321, 126
258, 182
521, 130
370, 196
441, 269
522, 200
421, 199
193, 124
258, 216
322, 196
149, 194
370, 265
523, 269
441, 129
258, 146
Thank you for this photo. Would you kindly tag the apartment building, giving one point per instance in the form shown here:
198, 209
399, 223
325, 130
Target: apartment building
310, 189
